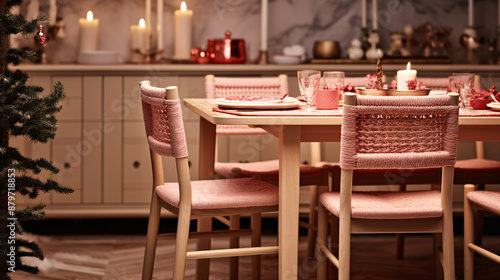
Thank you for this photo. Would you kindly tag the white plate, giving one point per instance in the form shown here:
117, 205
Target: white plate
256, 101
287, 103
494, 106
286, 59
438, 92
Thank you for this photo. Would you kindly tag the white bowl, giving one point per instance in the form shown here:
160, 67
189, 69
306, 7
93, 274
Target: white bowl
286, 59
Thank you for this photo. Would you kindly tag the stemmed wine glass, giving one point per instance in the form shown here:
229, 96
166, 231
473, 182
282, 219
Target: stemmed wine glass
462, 83
308, 84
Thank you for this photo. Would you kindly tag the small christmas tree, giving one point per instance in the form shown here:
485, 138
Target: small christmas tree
23, 112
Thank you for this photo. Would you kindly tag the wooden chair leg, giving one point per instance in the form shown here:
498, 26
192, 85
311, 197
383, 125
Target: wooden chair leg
334, 246
437, 247
313, 221
151, 239
448, 240
322, 239
344, 248
400, 237
400, 245
448, 253
468, 235
345, 225
479, 221
203, 265
181, 242
234, 242
255, 221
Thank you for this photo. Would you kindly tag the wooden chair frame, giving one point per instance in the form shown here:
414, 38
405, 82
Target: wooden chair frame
185, 213
349, 225
313, 182
470, 247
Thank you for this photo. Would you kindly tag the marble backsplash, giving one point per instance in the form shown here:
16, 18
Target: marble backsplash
290, 22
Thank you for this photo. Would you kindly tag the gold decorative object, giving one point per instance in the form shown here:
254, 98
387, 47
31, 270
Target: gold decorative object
326, 49
263, 58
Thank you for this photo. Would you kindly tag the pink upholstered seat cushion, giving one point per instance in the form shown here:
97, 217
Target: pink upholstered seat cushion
486, 199
387, 205
477, 171
223, 194
264, 168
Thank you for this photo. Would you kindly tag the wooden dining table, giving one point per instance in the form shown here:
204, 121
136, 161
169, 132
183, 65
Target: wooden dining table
291, 130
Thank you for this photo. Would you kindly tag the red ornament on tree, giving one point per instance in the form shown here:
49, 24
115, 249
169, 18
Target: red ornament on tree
39, 37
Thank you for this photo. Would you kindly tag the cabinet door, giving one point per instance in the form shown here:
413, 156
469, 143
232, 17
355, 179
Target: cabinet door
72, 104
92, 164
36, 151
92, 98
67, 156
137, 172
192, 87
113, 160
42, 80
112, 96
244, 148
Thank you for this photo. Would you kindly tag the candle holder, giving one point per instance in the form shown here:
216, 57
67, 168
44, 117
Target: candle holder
364, 39
373, 51
149, 56
263, 57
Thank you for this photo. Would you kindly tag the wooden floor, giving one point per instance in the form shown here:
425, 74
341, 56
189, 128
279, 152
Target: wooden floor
120, 257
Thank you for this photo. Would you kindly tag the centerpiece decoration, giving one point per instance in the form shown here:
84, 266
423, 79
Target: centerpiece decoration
405, 84
374, 83
480, 98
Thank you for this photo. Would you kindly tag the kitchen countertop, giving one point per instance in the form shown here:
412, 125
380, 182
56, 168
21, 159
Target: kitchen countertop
430, 70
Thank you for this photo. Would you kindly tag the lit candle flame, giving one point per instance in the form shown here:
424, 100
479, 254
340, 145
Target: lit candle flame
183, 6
90, 16
142, 23
408, 66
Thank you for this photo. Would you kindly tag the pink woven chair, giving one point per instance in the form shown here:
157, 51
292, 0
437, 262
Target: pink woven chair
195, 199
268, 170
477, 201
480, 172
392, 133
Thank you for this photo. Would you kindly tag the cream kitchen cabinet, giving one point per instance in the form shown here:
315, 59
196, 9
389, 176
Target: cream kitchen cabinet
101, 148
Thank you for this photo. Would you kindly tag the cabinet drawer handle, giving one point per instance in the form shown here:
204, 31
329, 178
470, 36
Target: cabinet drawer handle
67, 165
136, 164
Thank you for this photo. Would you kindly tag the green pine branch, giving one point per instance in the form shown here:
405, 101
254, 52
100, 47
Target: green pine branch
24, 111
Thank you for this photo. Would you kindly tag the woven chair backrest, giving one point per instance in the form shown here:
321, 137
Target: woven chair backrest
163, 122
399, 132
267, 86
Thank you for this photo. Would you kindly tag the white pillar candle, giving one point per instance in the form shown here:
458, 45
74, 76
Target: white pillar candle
52, 12
148, 24
471, 13
138, 36
159, 24
363, 13
89, 32
375, 15
263, 25
406, 75
183, 33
